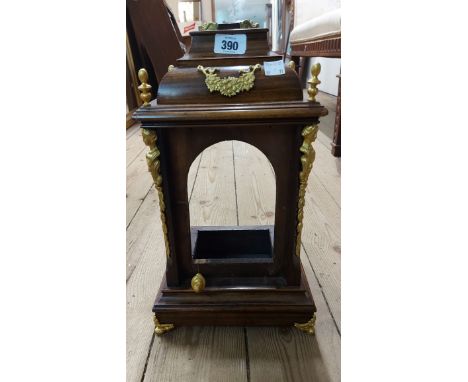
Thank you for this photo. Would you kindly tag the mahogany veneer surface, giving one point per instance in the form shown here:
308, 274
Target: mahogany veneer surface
187, 118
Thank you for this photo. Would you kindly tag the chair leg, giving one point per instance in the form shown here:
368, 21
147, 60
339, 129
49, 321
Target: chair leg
336, 143
296, 61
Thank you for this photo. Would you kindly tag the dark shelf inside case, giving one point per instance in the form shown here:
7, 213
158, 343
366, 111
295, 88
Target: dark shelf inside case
232, 242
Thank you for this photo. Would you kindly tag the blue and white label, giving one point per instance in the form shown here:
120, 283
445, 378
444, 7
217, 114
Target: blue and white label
273, 68
230, 43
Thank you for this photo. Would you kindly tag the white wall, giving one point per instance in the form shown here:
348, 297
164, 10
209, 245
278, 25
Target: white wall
173, 4
310, 9
330, 68
274, 24
234, 10
206, 9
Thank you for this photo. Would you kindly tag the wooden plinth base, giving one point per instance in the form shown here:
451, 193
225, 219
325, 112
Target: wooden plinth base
249, 306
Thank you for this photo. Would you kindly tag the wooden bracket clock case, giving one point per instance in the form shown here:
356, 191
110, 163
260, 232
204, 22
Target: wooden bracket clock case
231, 275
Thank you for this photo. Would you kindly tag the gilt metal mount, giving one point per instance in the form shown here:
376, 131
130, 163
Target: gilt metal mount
198, 283
244, 24
210, 26
292, 65
229, 86
154, 166
309, 134
314, 82
247, 24
145, 87
309, 326
161, 328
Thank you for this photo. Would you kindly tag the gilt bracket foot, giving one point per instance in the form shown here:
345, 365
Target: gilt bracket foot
159, 328
309, 326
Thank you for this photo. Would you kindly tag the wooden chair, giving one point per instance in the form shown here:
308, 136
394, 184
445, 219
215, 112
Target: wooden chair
317, 33
154, 37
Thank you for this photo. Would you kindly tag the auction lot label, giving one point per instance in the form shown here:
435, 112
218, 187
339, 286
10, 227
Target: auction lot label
230, 43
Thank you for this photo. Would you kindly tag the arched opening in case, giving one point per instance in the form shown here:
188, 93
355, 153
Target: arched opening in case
232, 193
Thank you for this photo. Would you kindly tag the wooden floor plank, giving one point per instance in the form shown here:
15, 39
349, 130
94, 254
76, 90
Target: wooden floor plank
329, 172
141, 291
327, 128
321, 241
132, 130
326, 333
142, 231
139, 233
204, 353
327, 168
213, 199
327, 123
327, 100
324, 201
135, 145
145, 268
139, 183
281, 354
255, 185
192, 175
291, 355
327, 267
321, 235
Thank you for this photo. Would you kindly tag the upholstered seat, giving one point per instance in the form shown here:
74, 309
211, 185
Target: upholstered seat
326, 25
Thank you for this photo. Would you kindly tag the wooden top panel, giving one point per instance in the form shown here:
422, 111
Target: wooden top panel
186, 86
203, 42
184, 98
202, 49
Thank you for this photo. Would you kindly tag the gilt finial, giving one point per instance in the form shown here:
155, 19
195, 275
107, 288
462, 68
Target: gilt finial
145, 87
198, 283
292, 65
314, 81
